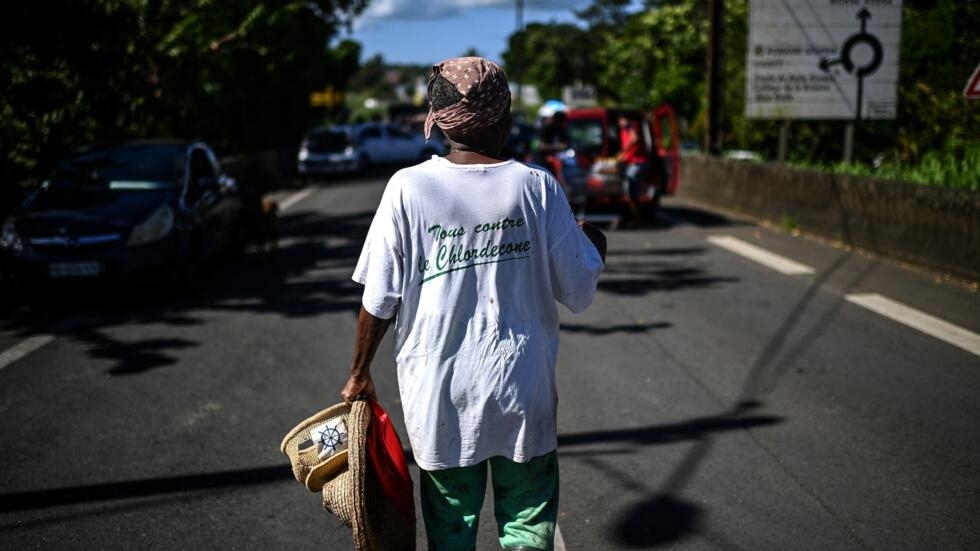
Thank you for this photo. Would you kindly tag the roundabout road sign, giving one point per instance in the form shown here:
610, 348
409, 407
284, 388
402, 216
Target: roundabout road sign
823, 59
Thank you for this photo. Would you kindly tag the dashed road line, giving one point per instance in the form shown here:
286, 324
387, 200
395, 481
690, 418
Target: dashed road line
295, 198
23, 348
896, 311
930, 325
771, 260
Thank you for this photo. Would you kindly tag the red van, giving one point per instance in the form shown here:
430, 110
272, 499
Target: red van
589, 171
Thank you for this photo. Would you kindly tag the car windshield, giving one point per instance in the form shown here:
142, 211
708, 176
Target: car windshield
130, 167
333, 140
585, 136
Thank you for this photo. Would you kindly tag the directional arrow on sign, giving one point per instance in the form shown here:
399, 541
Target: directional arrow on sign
864, 15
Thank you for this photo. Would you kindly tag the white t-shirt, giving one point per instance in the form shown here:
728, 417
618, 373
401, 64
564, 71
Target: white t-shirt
473, 258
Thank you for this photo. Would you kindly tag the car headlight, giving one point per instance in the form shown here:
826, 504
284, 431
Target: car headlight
9, 239
154, 228
303, 154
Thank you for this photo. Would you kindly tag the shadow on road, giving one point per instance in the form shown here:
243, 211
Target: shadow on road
663, 516
637, 273
672, 215
42, 499
674, 432
660, 280
624, 328
309, 274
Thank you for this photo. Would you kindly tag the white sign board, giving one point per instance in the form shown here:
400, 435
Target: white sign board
823, 59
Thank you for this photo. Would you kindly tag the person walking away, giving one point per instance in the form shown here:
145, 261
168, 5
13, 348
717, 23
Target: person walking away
470, 254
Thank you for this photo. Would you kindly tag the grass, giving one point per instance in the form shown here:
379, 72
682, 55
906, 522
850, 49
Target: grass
954, 167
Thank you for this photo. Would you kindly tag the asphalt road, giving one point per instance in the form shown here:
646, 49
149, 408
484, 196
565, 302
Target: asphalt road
708, 401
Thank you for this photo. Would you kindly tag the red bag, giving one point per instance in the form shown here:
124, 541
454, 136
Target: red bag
387, 461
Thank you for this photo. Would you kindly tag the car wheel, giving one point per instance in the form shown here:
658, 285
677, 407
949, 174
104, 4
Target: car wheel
238, 242
187, 273
363, 162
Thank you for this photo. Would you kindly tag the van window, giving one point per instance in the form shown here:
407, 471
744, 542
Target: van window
585, 136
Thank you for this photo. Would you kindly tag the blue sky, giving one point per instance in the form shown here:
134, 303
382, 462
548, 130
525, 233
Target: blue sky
424, 32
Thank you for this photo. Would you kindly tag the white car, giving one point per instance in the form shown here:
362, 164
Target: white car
355, 147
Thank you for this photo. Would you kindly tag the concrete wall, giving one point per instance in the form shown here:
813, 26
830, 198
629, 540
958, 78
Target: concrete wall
934, 227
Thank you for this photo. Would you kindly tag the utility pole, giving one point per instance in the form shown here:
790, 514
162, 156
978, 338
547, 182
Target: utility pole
716, 75
519, 57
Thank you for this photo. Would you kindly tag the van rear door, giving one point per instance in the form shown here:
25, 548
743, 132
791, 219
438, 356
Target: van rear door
667, 140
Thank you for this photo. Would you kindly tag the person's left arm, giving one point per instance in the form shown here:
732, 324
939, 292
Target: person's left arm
370, 331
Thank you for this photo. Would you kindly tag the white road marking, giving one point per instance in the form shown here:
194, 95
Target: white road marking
930, 325
23, 348
559, 541
295, 198
771, 260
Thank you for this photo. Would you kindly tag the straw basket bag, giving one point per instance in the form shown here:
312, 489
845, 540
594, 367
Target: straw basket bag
350, 491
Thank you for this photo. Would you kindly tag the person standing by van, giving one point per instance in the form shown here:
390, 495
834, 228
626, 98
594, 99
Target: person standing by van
633, 163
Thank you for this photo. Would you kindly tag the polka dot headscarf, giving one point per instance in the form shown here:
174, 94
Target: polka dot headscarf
486, 95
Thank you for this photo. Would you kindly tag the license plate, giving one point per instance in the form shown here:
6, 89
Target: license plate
74, 269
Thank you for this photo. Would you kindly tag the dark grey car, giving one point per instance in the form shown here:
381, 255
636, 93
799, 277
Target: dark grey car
127, 211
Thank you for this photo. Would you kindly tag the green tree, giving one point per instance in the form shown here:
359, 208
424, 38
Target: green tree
235, 73
554, 55
659, 56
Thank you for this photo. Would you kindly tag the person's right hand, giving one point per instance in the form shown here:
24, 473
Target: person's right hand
596, 236
359, 386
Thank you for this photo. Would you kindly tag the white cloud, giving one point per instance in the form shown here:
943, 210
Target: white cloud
414, 9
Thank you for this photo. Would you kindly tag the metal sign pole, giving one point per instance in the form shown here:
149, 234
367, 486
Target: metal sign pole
520, 54
783, 140
716, 72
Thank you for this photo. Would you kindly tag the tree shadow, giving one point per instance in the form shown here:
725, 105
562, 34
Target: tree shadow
670, 215
661, 517
640, 272
109, 491
661, 281
661, 251
135, 357
669, 433
634, 328
306, 276
675, 214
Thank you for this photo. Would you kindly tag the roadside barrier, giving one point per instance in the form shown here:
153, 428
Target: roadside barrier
933, 227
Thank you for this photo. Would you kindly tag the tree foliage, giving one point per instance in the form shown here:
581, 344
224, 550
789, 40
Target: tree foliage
658, 54
236, 73
658, 57
551, 56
